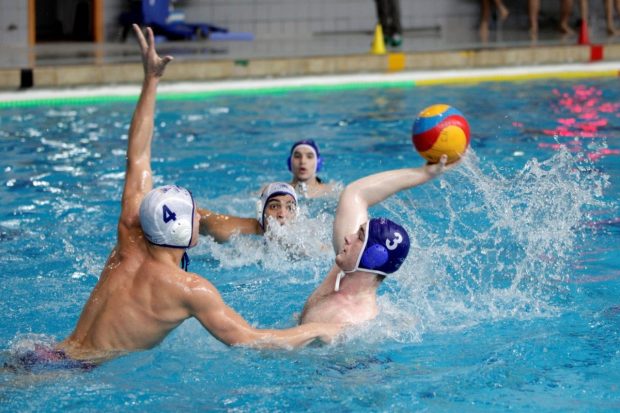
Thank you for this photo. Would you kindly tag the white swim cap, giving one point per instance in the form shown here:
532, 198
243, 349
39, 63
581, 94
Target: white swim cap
167, 216
271, 190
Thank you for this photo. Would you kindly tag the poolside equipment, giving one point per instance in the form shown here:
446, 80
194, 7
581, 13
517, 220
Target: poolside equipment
440, 129
378, 43
309, 143
170, 24
583, 33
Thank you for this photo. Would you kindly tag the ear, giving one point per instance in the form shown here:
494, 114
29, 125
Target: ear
259, 212
374, 257
319, 163
180, 231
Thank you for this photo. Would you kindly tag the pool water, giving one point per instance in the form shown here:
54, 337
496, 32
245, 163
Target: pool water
509, 299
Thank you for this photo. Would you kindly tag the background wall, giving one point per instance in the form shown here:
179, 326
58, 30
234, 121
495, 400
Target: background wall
297, 18
13, 22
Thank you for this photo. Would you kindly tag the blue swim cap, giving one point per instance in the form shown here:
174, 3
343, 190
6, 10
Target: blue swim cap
313, 146
385, 248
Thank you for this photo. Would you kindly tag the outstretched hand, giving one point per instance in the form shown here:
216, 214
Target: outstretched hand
153, 64
436, 169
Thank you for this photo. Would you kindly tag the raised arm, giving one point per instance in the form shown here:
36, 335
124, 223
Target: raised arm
205, 303
138, 178
359, 195
222, 227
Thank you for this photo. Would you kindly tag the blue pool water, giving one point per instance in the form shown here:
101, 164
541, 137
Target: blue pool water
509, 299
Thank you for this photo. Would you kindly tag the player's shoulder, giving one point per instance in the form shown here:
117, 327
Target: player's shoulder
193, 283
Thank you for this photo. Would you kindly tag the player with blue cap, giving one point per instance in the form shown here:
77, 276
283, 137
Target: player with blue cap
367, 250
385, 247
304, 162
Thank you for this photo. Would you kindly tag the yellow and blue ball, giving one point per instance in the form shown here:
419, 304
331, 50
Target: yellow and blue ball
438, 130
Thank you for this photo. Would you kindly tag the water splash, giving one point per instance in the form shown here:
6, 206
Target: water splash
489, 246
302, 244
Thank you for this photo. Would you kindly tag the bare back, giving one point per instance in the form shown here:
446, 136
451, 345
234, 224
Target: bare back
122, 313
135, 304
142, 294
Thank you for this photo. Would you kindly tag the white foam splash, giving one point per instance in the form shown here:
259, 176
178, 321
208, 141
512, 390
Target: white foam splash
304, 243
498, 247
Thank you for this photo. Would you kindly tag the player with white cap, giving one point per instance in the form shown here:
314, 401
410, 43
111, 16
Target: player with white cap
277, 204
142, 293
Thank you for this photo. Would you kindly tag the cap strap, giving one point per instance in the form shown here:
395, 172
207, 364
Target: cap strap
185, 261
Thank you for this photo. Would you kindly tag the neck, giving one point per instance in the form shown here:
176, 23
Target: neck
359, 283
307, 187
166, 254
310, 181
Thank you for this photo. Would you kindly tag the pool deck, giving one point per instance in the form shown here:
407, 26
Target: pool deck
71, 65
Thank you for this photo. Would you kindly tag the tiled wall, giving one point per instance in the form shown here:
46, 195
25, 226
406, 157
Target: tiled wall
13, 22
274, 18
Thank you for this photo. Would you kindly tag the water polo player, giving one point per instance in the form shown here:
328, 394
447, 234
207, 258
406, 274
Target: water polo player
304, 162
142, 293
277, 204
367, 250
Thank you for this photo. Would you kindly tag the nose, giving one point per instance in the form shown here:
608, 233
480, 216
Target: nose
284, 213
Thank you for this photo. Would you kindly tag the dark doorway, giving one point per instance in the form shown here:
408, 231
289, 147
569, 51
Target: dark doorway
64, 20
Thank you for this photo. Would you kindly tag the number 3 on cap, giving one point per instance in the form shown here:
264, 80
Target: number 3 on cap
168, 215
392, 245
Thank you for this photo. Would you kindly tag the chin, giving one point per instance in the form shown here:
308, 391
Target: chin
339, 263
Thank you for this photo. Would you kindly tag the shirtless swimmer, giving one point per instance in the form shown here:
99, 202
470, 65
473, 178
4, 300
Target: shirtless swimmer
366, 250
142, 294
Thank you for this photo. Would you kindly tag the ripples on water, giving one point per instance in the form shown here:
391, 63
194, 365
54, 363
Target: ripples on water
497, 246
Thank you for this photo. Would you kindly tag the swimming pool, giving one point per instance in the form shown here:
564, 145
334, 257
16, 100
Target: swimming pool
508, 300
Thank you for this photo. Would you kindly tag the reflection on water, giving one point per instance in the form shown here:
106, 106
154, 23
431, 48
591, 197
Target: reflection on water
582, 114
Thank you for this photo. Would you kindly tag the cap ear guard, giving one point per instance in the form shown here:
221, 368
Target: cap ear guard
374, 256
180, 231
259, 212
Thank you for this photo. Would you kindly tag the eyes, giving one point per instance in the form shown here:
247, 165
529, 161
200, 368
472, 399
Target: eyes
300, 155
277, 206
360, 234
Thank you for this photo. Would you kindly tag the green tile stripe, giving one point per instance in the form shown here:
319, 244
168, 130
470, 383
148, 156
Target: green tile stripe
187, 96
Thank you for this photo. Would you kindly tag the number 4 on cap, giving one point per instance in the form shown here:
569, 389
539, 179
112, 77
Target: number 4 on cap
168, 214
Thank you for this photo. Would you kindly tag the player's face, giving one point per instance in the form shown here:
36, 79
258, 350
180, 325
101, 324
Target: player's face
281, 208
353, 244
303, 163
